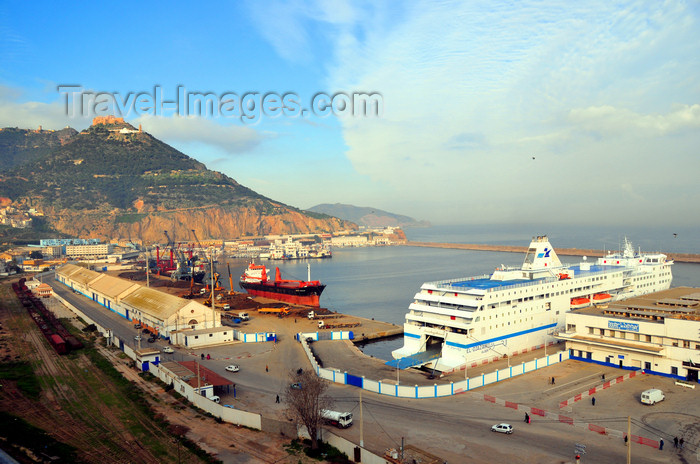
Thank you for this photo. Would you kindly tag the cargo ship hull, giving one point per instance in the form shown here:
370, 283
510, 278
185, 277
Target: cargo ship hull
308, 296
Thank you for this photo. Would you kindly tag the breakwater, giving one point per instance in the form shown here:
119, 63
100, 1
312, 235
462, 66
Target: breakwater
678, 257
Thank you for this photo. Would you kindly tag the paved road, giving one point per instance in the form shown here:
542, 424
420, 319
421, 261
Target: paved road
458, 428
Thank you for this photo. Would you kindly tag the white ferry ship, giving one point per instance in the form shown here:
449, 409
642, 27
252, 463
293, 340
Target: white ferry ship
468, 321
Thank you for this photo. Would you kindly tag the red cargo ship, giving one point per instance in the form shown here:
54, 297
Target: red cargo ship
256, 282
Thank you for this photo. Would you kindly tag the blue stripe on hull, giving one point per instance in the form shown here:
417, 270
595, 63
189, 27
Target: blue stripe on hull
503, 337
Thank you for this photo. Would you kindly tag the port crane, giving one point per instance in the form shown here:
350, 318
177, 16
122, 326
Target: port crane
230, 280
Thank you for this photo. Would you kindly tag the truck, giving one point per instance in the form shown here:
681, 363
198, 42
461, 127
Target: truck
311, 315
243, 316
652, 396
280, 311
342, 420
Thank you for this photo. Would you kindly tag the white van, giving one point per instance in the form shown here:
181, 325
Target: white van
215, 399
652, 396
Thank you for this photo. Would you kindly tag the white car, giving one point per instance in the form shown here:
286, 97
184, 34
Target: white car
233, 368
168, 349
503, 428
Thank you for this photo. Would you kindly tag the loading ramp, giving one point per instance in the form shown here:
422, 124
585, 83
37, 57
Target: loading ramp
416, 359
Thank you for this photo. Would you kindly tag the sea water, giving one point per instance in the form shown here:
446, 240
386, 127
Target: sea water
380, 282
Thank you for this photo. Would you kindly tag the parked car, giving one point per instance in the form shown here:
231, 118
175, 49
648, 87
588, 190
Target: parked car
151, 339
502, 428
137, 338
296, 386
233, 368
215, 399
229, 406
168, 349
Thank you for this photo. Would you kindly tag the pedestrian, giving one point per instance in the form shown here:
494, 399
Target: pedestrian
527, 418
202, 356
208, 357
603, 377
277, 400
681, 442
266, 369
675, 442
552, 380
661, 444
593, 400
625, 439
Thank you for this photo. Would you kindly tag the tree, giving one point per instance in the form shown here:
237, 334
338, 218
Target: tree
305, 397
36, 254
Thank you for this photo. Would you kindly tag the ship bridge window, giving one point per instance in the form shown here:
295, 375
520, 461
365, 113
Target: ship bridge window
530, 256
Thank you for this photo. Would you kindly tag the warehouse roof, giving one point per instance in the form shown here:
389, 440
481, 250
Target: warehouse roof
79, 274
157, 304
113, 286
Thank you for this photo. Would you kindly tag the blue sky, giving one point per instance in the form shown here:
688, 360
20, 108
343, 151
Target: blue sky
605, 96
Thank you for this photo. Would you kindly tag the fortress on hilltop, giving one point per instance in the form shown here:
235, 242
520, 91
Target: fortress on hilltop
107, 120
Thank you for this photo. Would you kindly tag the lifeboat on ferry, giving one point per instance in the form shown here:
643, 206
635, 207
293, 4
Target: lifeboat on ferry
580, 303
602, 298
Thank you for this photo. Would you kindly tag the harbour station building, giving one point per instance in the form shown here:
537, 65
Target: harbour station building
160, 313
658, 332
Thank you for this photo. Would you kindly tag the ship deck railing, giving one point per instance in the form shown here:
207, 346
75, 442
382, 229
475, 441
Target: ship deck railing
447, 284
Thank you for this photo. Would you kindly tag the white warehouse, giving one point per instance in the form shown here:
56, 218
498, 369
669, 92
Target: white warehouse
159, 312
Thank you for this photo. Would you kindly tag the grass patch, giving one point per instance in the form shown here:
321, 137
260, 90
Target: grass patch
136, 398
18, 433
129, 218
23, 374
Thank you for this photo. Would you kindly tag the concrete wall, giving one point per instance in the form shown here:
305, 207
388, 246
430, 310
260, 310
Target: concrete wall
435, 390
348, 448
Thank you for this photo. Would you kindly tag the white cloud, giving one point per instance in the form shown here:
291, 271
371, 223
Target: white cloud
609, 120
194, 129
31, 114
473, 90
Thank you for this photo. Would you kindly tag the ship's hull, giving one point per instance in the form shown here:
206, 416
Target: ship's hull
302, 295
476, 320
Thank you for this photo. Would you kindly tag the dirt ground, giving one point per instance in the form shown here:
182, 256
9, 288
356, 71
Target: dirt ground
80, 406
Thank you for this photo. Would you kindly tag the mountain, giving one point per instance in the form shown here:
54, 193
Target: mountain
367, 216
115, 181
19, 146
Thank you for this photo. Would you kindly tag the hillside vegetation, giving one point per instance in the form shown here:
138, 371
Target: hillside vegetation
111, 180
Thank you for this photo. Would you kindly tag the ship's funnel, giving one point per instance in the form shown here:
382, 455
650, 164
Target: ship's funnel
541, 255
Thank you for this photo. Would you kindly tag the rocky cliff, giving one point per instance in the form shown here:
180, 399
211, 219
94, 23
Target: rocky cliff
114, 181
